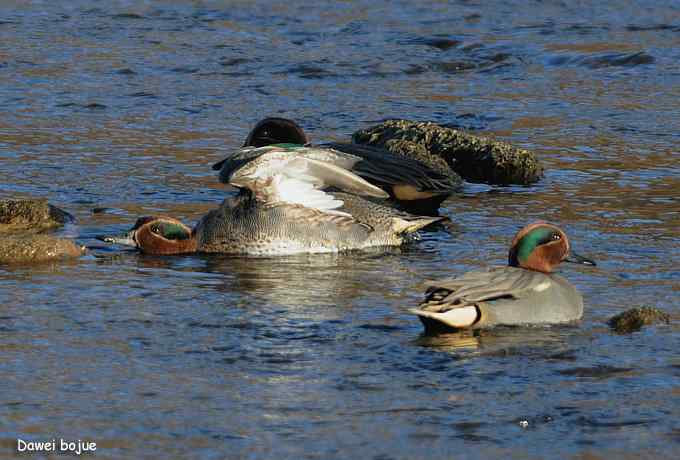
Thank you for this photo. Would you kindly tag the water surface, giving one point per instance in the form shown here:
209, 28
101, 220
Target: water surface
125, 105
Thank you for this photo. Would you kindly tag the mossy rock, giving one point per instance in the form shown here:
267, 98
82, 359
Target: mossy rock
37, 248
31, 215
475, 158
634, 319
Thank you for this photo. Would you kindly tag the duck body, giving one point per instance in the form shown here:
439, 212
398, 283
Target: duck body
525, 292
298, 198
245, 225
499, 296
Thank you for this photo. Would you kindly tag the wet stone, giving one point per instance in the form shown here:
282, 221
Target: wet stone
37, 248
410, 149
634, 319
30, 215
475, 158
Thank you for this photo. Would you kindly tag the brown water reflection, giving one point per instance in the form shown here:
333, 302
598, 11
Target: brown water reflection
123, 107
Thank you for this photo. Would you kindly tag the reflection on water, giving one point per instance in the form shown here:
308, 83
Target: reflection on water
117, 110
502, 341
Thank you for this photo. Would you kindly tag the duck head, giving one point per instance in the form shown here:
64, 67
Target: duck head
275, 130
542, 247
270, 131
157, 235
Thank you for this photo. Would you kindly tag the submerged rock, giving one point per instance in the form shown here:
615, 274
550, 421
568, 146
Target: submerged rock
30, 215
634, 319
475, 158
37, 248
21, 221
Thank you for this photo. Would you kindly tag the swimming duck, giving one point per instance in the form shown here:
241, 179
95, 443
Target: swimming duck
407, 180
525, 292
285, 206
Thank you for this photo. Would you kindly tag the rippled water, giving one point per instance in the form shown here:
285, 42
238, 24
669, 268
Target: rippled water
124, 105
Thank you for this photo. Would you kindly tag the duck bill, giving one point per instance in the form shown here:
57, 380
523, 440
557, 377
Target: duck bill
126, 239
217, 166
577, 259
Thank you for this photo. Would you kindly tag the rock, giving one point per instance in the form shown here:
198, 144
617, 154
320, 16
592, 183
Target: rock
410, 149
475, 158
31, 215
632, 320
37, 248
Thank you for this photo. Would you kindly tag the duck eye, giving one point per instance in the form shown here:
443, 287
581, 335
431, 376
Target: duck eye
155, 229
556, 236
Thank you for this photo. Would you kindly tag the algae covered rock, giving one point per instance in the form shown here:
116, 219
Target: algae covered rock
634, 319
30, 215
475, 158
415, 150
37, 248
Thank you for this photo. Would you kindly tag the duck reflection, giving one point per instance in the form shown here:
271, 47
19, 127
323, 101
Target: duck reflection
545, 341
318, 279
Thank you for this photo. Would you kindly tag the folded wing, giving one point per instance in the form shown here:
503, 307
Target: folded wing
478, 286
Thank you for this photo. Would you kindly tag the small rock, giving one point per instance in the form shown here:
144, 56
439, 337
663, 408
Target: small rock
475, 158
37, 248
31, 215
634, 319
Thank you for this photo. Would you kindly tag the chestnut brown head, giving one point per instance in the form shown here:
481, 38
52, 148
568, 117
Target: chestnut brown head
157, 235
541, 246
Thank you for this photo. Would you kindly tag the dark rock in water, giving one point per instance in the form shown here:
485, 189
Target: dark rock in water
632, 320
31, 215
475, 158
37, 248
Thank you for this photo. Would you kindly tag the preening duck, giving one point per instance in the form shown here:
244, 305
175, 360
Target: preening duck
407, 180
301, 201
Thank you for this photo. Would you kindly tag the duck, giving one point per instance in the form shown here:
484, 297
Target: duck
408, 181
525, 292
306, 202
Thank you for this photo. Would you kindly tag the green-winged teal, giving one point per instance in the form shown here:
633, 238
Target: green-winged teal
293, 199
407, 180
525, 292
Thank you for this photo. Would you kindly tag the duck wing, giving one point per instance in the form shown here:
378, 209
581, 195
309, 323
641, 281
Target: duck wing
482, 285
295, 175
387, 169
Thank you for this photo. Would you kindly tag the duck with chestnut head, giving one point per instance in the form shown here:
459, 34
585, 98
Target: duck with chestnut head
522, 293
287, 204
417, 186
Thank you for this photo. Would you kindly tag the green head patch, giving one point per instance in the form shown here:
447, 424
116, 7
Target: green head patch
287, 146
526, 245
171, 231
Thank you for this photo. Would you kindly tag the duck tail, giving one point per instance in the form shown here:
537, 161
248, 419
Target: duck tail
403, 225
453, 319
